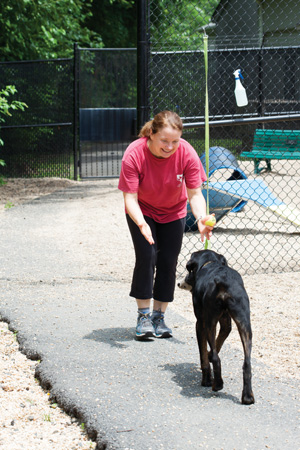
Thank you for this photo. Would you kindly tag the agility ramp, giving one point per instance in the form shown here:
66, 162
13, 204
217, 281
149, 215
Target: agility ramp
231, 195
220, 203
257, 191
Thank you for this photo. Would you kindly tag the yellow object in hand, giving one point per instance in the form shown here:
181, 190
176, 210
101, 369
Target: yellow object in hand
211, 222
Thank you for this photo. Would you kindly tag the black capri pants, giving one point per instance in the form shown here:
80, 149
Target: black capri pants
154, 274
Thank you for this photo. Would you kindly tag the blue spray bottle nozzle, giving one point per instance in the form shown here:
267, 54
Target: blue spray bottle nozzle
238, 74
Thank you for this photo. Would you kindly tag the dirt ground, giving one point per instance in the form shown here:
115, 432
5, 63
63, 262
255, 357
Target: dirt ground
274, 300
16, 191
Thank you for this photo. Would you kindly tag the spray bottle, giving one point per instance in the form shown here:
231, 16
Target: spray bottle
240, 92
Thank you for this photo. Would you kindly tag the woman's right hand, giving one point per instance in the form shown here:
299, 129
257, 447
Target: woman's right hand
146, 232
135, 213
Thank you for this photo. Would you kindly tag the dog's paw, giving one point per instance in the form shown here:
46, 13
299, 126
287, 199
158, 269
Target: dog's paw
206, 378
217, 385
248, 399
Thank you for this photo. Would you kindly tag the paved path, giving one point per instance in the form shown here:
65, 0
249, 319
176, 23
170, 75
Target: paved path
131, 395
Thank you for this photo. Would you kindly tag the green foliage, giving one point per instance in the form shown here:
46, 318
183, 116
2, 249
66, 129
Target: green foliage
6, 106
115, 21
177, 24
102, 74
39, 29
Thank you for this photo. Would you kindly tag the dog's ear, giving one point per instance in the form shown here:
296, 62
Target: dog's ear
195, 260
190, 266
223, 260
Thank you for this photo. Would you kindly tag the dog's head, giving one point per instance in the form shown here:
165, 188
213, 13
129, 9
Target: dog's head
196, 262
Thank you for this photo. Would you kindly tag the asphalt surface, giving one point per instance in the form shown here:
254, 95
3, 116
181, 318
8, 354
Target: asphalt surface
130, 394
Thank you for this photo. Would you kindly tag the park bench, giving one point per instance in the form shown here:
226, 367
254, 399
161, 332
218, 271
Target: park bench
273, 144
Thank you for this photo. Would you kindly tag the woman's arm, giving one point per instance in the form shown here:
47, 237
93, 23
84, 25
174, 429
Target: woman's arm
135, 213
198, 207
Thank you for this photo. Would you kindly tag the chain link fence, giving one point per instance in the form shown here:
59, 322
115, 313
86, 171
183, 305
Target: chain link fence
255, 149
107, 102
38, 142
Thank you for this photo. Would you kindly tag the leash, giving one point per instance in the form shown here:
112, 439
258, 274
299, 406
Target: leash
207, 244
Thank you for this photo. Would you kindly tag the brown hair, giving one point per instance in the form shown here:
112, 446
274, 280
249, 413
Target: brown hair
161, 120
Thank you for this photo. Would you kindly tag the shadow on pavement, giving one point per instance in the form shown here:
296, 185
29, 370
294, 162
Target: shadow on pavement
117, 337
188, 377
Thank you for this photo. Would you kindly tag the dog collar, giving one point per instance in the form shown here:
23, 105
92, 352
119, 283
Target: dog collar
205, 264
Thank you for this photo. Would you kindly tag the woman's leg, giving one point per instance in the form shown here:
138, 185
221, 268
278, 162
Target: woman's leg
145, 260
163, 254
142, 280
160, 306
169, 240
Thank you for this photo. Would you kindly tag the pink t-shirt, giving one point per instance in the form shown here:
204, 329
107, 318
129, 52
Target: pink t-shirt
161, 183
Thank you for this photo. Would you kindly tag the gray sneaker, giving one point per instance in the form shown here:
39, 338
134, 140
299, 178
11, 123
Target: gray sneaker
161, 329
144, 327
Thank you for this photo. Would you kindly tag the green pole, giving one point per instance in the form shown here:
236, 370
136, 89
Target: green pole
205, 39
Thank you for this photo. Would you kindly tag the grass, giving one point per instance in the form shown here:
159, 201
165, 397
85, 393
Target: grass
37, 167
9, 205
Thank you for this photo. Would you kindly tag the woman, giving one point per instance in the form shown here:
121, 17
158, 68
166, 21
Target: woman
160, 171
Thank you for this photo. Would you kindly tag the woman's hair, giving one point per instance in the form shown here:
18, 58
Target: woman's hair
161, 120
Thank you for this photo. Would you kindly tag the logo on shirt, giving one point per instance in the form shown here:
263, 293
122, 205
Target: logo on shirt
179, 178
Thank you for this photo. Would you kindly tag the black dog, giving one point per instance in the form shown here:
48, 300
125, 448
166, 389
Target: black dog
219, 295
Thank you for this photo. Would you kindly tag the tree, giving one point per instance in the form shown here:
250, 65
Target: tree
115, 21
43, 29
177, 24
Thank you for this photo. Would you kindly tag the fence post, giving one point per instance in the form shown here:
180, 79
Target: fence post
143, 48
76, 112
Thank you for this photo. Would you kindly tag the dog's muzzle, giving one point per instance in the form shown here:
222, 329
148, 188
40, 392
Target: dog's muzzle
183, 285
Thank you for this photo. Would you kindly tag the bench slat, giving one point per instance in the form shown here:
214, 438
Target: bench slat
275, 149
261, 131
280, 141
271, 155
273, 144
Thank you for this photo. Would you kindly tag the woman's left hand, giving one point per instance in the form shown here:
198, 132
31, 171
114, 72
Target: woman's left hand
205, 230
198, 207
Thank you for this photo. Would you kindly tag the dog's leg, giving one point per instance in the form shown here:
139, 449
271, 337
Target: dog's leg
246, 338
216, 362
247, 394
225, 329
204, 362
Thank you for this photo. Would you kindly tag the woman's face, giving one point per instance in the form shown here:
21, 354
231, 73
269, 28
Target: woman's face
164, 143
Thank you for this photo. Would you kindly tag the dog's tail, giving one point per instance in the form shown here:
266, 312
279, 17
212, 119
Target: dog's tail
222, 291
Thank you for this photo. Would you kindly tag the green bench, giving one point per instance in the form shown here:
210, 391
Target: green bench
273, 144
